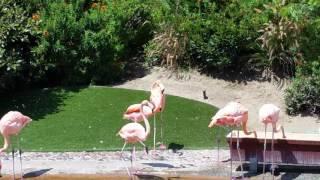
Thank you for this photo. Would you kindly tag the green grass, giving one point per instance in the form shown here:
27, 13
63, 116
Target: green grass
88, 118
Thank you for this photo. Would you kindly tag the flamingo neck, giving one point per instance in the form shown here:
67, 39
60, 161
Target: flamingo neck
146, 122
6, 143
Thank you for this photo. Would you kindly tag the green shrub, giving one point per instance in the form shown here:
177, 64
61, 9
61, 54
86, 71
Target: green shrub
16, 40
90, 41
225, 37
303, 95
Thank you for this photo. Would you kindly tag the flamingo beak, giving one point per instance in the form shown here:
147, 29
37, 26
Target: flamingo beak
212, 123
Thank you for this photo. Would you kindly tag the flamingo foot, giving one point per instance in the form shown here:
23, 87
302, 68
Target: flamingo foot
154, 153
162, 147
136, 171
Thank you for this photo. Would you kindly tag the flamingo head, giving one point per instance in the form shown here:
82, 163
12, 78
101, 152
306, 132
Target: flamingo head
26, 119
217, 122
157, 86
218, 119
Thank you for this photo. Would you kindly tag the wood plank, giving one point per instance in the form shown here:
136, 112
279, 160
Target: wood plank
278, 136
296, 149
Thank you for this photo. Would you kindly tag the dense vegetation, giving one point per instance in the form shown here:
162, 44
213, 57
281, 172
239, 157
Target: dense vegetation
80, 42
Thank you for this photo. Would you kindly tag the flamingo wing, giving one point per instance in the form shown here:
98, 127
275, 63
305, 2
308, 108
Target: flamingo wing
135, 115
133, 132
133, 108
269, 113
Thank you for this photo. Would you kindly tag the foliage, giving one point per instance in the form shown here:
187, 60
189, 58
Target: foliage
87, 119
303, 95
74, 44
279, 39
90, 41
16, 40
167, 46
209, 35
84, 42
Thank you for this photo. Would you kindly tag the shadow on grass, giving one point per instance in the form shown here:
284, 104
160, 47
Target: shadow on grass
175, 147
36, 103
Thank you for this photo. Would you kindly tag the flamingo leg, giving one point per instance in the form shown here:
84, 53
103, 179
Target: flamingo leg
121, 157
272, 148
14, 176
154, 132
218, 143
231, 155
20, 153
124, 145
145, 147
161, 127
238, 149
280, 127
133, 155
264, 150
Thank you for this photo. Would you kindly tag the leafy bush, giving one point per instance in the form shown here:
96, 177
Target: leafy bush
90, 41
225, 38
303, 95
16, 40
215, 36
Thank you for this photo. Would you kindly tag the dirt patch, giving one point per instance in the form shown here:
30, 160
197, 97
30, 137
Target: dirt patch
253, 94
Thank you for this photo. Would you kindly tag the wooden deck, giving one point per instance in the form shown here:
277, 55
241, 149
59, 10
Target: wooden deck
295, 149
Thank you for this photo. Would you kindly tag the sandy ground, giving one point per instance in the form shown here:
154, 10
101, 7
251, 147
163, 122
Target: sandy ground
191, 164
252, 94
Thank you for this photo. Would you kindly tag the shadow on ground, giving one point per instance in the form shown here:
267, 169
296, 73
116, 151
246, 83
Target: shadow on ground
283, 172
36, 173
160, 165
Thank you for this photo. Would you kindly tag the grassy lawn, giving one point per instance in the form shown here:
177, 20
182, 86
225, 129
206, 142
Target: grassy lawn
88, 118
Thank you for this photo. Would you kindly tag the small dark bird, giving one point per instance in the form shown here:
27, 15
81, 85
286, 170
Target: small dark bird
204, 94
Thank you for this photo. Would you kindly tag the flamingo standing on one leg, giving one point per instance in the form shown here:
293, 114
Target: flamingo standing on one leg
135, 132
233, 114
269, 113
11, 124
157, 97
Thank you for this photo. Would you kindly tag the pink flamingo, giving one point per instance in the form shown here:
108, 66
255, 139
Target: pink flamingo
134, 132
269, 113
155, 105
11, 124
233, 114
157, 97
